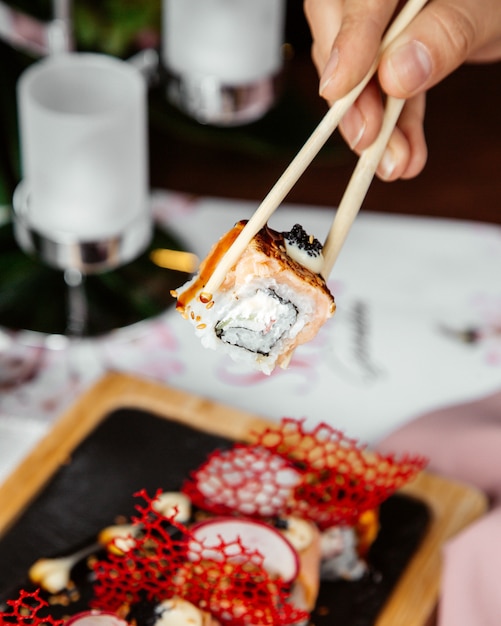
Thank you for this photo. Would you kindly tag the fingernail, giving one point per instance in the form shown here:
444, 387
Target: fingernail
329, 70
353, 126
411, 65
387, 164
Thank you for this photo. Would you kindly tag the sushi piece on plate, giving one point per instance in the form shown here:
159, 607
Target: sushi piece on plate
270, 302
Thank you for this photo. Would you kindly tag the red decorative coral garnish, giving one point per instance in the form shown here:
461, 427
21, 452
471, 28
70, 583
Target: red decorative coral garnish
340, 479
249, 480
320, 475
28, 608
228, 580
147, 568
234, 587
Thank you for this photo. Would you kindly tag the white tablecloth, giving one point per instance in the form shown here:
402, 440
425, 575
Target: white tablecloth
405, 289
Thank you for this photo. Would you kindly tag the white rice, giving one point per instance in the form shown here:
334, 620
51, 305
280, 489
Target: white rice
255, 323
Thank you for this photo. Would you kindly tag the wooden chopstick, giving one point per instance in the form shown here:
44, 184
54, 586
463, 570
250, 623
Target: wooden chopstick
306, 154
358, 186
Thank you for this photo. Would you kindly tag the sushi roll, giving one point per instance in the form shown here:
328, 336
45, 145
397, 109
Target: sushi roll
271, 301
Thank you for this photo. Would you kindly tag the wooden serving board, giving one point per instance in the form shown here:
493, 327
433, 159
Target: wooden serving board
452, 505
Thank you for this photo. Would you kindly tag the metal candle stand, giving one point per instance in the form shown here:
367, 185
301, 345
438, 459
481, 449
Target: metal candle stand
87, 264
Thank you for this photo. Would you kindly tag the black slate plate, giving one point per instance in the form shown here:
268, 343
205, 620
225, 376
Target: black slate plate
132, 449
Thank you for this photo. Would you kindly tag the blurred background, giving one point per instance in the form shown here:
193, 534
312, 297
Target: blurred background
463, 126
409, 335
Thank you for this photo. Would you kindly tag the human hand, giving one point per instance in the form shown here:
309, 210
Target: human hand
346, 37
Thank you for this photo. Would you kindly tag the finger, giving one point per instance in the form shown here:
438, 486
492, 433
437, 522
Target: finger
438, 41
395, 158
362, 122
411, 126
489, 53
318, 58
406, 153
324, 19
349, 61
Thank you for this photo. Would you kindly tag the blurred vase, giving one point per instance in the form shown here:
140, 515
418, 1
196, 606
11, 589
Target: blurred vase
83, 202
223, 58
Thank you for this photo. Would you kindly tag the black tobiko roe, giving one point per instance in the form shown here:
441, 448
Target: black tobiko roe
298, 237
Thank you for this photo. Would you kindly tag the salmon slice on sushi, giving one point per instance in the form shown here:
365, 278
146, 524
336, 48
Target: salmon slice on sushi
271, 301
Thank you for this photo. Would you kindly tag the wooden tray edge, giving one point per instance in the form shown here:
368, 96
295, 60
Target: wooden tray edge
453, 506
115, 390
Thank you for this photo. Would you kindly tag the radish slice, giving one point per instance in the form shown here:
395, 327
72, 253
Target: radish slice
95, 618
279, 557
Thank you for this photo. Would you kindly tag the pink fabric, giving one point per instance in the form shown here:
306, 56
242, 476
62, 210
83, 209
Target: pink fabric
464, 443
471, 585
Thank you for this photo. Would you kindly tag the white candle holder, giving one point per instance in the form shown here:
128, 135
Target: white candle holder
223, 58
83, 202
82, 209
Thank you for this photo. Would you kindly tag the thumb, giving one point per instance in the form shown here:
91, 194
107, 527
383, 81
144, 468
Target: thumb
437, 42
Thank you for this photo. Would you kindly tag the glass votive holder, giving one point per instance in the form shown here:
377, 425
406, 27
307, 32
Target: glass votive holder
83, 202
223, 58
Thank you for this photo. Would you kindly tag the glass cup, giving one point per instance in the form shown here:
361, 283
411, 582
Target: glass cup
83, 202
223, 57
